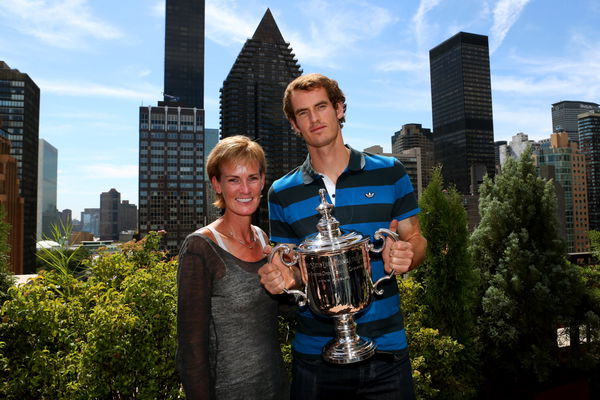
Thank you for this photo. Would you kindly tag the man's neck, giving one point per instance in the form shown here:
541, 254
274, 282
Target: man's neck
330, 160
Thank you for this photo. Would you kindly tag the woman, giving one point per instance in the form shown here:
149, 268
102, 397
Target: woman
226, 322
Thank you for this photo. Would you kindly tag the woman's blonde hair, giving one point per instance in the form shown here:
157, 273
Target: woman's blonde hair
237, 149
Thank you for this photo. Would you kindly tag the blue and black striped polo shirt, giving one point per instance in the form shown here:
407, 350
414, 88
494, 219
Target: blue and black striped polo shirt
371, 191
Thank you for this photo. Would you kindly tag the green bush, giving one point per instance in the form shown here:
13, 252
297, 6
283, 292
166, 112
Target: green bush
111, 336
434, 357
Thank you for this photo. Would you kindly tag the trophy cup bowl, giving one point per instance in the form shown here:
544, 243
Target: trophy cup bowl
336, 272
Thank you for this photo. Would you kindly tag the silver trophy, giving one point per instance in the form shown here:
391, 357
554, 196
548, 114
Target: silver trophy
336, 269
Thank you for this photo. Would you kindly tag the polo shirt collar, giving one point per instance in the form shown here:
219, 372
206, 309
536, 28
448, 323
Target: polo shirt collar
356, 163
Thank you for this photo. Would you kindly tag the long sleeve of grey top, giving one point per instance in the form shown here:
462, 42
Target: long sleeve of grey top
194, 280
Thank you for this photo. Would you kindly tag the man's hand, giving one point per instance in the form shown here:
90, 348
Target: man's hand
397, 255
408, 251
276, 276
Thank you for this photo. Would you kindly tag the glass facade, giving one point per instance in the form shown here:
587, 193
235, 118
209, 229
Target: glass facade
461, 97
47, 183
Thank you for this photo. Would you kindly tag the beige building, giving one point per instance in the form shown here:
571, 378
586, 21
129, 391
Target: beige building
570, 172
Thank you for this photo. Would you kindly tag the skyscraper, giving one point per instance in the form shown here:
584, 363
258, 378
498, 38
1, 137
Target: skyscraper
171, 156
589, 143
564, 116
413, 136
109, 214
20, 111
569, 172
128, 220
47, 182
461, 98
251, 102
184, 52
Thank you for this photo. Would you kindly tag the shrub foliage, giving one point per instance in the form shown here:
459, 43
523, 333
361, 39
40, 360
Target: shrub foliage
111, 336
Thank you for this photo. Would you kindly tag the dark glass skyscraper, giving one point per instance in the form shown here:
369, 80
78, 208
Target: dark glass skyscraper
20, 115
171, 158
589, 143
184, 52
461, 97
251, 101
564, 116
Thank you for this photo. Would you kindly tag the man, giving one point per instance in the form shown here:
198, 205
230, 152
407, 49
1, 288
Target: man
369, 192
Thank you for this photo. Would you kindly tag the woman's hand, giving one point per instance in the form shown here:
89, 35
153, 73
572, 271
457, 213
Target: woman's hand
275, 276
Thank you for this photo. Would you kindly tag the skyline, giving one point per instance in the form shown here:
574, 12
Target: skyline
95, 67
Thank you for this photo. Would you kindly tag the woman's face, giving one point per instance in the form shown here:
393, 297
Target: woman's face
240, 184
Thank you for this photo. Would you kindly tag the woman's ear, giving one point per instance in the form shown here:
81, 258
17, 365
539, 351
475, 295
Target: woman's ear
216, 185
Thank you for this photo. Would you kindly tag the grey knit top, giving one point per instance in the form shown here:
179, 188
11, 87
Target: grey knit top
226, 327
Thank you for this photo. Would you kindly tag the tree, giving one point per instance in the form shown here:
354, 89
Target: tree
447, 276
527, 287
447, 273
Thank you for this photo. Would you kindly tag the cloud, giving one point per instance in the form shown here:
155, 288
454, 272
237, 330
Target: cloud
89, 89
572, 76
530, 85
419, 20
506, 13
225, 25
334, 31
533, 120
59, 23
405, 61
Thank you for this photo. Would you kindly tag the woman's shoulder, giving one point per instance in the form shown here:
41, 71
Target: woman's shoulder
198, 240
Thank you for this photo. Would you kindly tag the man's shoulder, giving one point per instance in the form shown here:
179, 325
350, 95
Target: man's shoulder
291, 179
379, 160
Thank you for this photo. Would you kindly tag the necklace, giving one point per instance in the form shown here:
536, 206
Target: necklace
247, 245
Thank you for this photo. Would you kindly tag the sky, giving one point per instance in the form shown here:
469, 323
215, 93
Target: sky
96, 62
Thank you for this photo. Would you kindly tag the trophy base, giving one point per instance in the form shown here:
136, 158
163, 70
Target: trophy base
344, 352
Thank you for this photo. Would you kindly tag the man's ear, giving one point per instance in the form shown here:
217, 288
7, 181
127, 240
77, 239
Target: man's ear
339, 110
295, 127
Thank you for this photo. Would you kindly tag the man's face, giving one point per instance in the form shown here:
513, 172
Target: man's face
317, 120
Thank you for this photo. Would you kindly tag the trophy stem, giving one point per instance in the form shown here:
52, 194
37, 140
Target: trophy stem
347, 347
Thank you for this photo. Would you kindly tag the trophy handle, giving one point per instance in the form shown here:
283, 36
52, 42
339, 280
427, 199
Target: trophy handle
286, 250
378, 235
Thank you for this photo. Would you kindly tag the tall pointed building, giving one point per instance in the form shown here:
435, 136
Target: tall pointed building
171, 155
251, 102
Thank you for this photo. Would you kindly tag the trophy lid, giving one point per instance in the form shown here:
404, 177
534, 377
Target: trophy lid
329, 236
